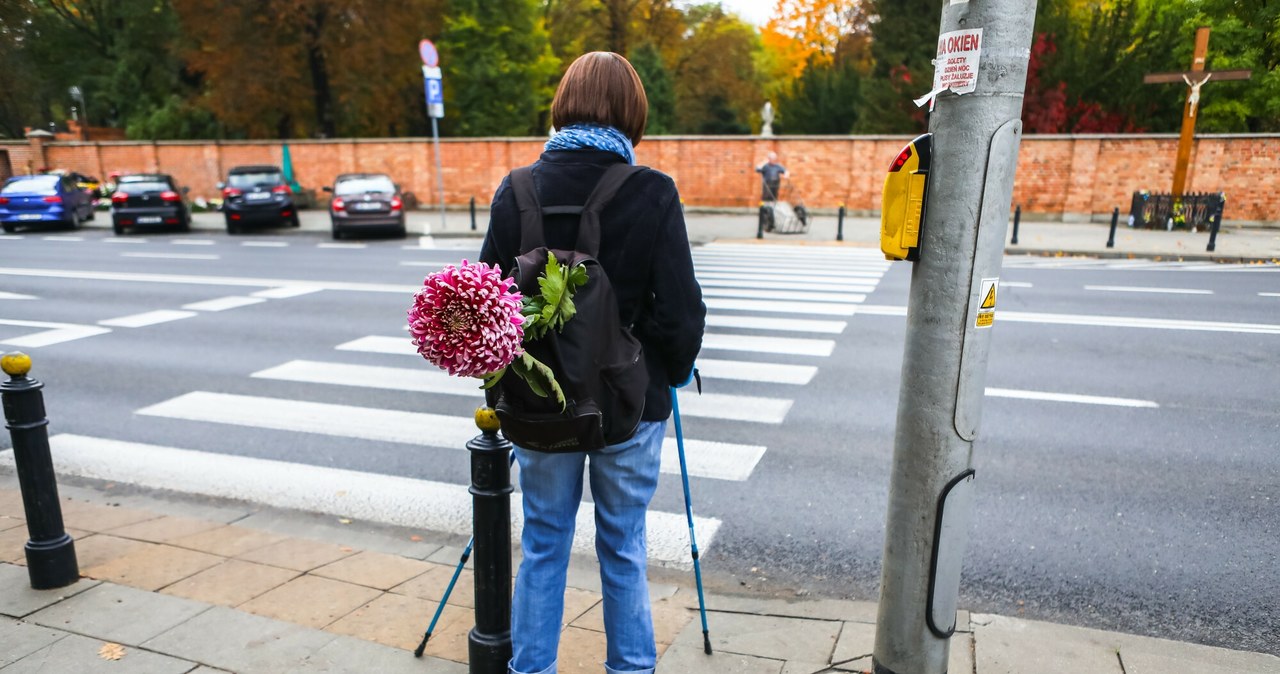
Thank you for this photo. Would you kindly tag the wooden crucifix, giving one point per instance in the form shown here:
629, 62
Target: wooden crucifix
1194, 79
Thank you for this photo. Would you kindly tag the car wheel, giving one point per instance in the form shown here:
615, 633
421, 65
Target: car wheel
74, 223
293, 221
9, 229
185, 225
93, 213
337, 233
117, 228
232, 227
401, 232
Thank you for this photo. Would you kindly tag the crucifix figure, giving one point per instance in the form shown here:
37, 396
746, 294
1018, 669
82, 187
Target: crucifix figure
1194, 78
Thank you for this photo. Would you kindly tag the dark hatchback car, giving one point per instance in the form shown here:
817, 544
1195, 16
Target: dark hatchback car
146, 201
365, 201
27, 201
257, 195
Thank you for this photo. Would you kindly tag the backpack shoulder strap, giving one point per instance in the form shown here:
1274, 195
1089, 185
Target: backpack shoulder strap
589, 224
531, 234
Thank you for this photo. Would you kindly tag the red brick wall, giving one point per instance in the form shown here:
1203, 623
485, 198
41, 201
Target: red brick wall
1058, 176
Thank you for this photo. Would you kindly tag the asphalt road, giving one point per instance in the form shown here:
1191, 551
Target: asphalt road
1148, 506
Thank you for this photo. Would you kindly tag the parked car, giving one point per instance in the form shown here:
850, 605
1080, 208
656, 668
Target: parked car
148, 200
48, 199
257, 195
364, 201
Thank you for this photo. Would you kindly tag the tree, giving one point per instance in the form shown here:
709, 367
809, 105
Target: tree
717, 87
657, 88
500, 79
823, 100
903, 47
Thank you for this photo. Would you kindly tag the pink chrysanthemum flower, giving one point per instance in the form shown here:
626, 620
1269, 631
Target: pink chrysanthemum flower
466, 320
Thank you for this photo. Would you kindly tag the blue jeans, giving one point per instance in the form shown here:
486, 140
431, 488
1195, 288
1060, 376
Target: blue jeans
623, 479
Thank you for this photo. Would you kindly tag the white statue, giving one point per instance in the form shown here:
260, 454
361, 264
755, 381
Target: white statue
1194, 99
766, 116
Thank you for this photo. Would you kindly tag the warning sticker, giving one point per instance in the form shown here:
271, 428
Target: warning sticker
987, 303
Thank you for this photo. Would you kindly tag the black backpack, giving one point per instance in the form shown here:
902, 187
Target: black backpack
596, 360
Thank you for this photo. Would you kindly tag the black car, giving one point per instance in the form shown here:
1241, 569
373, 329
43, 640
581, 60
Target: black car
364, 201
257, 195
149, 200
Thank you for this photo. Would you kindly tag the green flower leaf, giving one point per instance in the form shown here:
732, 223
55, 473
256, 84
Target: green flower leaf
491, 379
539, 377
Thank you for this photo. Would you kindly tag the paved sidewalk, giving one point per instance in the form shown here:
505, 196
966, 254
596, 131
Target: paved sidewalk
179, 584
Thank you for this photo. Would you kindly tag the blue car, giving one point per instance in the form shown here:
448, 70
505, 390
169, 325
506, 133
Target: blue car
27, 201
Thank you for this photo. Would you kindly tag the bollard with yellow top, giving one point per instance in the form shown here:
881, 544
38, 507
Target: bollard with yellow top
489, 643
50, 552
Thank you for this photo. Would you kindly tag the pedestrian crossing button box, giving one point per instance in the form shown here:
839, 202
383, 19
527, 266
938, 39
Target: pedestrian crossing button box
902, 201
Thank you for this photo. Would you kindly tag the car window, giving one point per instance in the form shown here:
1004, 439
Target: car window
142, 187
138, 179
247, 180
36, 185
374, 184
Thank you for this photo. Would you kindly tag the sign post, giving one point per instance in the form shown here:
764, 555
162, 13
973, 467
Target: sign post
433, 85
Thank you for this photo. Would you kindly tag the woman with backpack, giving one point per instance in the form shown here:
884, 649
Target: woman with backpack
600, 110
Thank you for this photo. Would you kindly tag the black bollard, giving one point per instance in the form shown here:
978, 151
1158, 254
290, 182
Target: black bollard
760, 222
1017, 217
473, 214
1213, 231
1115, 218
840, 224
489, 643
51, 554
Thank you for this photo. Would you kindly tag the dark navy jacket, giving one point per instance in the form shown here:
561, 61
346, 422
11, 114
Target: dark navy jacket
644, 249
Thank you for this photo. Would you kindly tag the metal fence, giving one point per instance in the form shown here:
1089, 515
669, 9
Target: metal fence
1193, 210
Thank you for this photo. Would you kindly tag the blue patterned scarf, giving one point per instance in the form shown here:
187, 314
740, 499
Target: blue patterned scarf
595, 136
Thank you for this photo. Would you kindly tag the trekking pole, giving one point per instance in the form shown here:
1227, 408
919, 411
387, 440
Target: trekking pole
688, 513
448, 590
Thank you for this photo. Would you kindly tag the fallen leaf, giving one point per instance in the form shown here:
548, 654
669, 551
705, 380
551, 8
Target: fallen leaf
110, 651
415, 538
344, 521
347, 549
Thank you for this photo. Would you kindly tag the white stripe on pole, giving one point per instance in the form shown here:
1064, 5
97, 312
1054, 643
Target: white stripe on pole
371, 497
769, 373
788, 325
794, 296
1069, 398
148, 318
771, 307
784, 345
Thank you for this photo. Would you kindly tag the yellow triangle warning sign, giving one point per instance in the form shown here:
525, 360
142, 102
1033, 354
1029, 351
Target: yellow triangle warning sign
989, 302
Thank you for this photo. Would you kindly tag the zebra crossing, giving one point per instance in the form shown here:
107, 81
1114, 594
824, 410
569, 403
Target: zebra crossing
769, 321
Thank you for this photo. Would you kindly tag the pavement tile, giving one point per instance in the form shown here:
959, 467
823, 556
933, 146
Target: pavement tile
816, 609
163, 529
771, 636
581, 652
17, 599
298, 554
7, 522
1160, 656
124, 615
449, 640
231, 583
669, 619
153, 567
99, 518
856, 640
245, 644
310, 601
354, 535
99, 549
960, 660
1013, 646
801, 667
19, 639
80, 654
391, 620
432, 583
346, 654
374, 569
689, 659
11, 544
11, 504
227, 540
577, 603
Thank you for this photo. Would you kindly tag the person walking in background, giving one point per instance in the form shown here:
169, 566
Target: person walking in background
600, 110
771, 173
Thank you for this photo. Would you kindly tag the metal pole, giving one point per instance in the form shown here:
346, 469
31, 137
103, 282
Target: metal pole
435, 139
840, 224
51, 554
1213, 229
473, 214
489, 643
1115, 219
1017, 218
950, 316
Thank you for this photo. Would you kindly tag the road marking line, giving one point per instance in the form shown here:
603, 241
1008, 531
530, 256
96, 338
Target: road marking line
148, 318
771, 373
223, 303
1136, 289
171, 256
285, 292
783, 345
63, 238
11, 237
208, 280
1104, 321
59, 333
354, 246
834, 298
767, 307
125, 241
869, 277
787, 325
736, 408
192, 242
265, 244
788, 285
1015, 284
15, 296
1069, 398
386, 499
1269, 294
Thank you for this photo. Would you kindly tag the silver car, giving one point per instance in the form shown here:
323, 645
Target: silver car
363, 202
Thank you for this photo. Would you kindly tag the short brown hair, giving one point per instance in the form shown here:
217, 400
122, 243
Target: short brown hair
601, 87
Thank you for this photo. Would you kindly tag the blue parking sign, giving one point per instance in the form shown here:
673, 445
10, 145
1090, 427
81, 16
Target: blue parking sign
435, 93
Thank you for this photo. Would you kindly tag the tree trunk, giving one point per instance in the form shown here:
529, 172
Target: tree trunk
320, 73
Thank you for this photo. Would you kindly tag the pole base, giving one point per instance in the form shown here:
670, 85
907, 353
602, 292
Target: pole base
488, 653
52, 564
